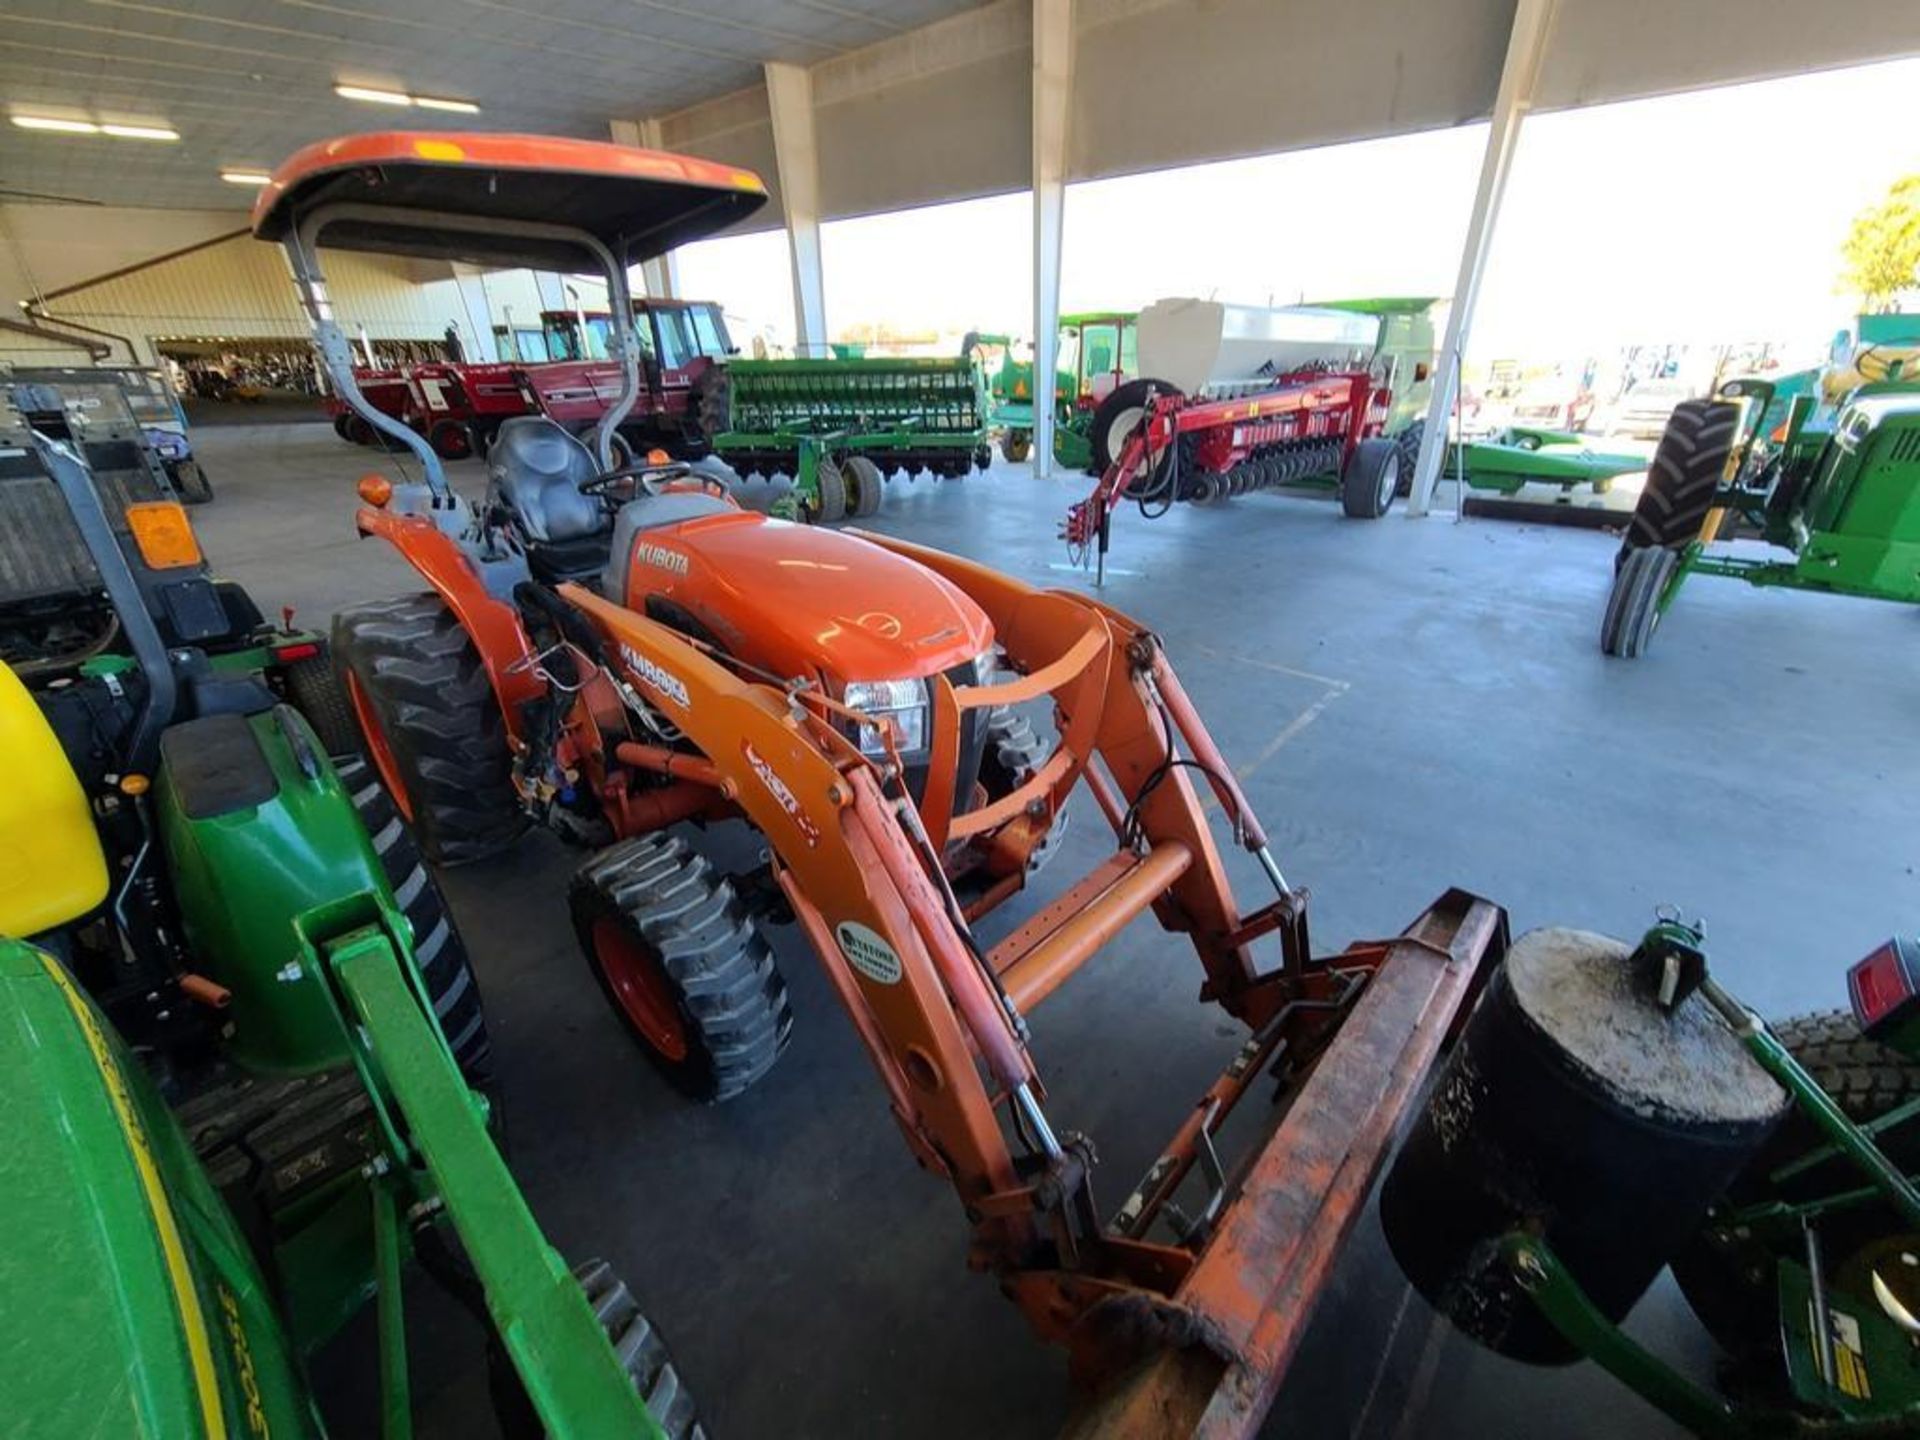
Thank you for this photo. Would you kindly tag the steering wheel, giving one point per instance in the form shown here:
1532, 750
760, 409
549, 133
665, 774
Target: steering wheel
654, 479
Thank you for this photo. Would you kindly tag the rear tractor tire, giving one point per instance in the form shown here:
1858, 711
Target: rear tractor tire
1370, 479
430, 724
316, 692
1633, 606
635, 1340
438, 950
1686, 471
641, 1349
681, 963
865, 486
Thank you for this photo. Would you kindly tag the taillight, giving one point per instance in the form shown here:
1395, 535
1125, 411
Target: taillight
1885, 987
305, 650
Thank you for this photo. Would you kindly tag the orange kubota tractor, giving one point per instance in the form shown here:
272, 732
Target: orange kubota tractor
612, 650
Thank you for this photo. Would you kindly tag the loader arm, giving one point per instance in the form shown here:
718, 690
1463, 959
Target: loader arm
431, 1119
1211, 1317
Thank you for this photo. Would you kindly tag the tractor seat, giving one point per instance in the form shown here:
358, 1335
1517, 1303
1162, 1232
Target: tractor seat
652, 512
535, 468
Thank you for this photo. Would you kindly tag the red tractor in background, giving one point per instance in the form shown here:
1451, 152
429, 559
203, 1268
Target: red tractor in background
459, 406
683, 344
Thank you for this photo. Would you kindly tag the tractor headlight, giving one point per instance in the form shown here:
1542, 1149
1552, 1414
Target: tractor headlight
901, 705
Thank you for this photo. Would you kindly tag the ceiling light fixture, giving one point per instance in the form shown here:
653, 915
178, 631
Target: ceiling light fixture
372, 96
246, 177
140, 132
51, 122
458, 107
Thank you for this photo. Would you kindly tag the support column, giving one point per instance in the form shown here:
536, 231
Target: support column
790, 100
477, 313
1526, 45
1052, 104
660, 276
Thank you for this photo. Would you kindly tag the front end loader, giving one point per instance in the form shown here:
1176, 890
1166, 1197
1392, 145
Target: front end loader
242, 1048
610, 651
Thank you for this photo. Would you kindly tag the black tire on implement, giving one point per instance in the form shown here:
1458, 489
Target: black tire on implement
866, 486
315, 691
1407, 443
1686, 471
674, 950
1115, 420
1633, 605
1017, 445
832, 484
1732, 1291
437, 947
420, 675
1370, 479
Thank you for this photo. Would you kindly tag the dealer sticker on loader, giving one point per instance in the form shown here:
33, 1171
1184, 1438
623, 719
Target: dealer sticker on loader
868, 953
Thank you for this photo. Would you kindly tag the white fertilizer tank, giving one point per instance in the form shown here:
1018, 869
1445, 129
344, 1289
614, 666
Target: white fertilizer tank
1209, 348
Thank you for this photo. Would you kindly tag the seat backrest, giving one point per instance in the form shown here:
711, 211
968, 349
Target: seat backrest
535, 468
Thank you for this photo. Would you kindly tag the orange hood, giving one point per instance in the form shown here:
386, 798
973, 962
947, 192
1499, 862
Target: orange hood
798, 600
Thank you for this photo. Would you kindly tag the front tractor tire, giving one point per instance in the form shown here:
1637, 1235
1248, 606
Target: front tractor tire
1370, 479
430, 724
1633, 606
682, 965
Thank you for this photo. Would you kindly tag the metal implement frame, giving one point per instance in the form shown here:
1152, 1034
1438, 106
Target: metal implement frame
829, 409
1336, 405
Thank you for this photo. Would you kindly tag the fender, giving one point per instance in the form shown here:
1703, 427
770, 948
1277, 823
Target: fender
492, 624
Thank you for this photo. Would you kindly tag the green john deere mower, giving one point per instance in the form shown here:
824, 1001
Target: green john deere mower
239, 1044
1839, 495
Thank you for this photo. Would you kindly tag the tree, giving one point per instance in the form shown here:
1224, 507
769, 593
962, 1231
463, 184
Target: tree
1882, 249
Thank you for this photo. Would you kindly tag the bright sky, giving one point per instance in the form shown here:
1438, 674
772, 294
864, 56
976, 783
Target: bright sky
1714, 216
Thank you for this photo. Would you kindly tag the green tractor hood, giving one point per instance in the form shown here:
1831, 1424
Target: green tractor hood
132, 1307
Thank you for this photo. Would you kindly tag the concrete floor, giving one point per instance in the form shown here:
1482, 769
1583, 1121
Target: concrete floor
1411, 705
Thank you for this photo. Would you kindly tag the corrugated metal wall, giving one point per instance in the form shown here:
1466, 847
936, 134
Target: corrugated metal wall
240, 288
